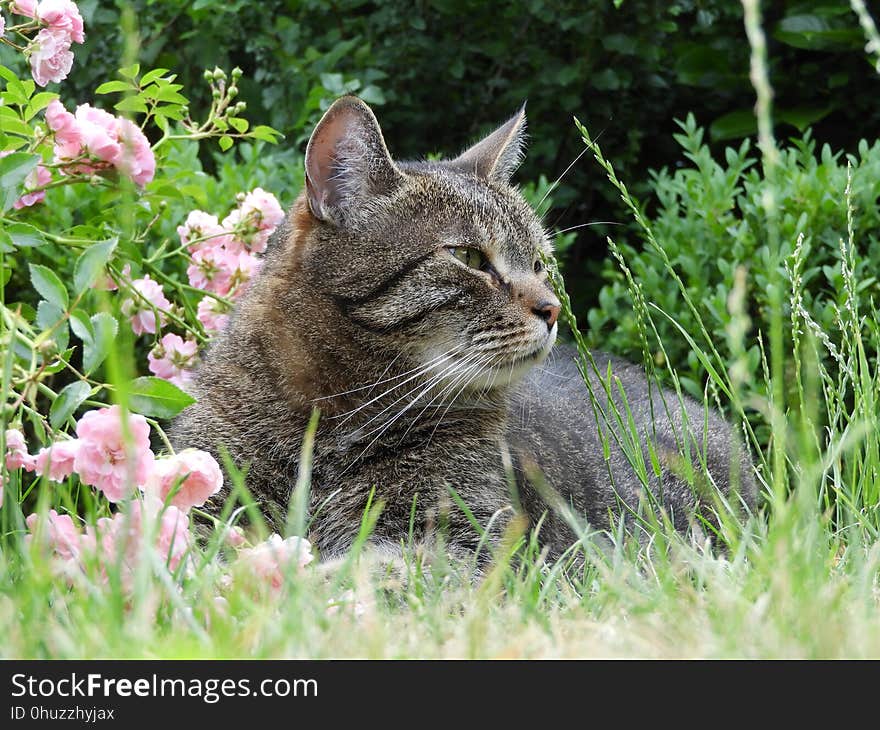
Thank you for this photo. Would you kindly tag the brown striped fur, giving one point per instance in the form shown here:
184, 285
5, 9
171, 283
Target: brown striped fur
427, 368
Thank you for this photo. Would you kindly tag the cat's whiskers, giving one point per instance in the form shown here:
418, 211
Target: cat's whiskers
585, 225
556, 184
473, 376
425, 387
447, 388
420, 371
463, 364
466, 368
371, 386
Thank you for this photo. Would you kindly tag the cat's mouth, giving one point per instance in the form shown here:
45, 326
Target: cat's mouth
506, 372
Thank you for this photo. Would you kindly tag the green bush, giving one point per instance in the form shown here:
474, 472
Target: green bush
710, 221
443, 71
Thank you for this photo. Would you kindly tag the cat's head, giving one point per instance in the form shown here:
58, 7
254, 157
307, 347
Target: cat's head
440, 260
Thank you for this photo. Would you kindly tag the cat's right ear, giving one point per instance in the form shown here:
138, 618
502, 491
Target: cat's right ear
347, 162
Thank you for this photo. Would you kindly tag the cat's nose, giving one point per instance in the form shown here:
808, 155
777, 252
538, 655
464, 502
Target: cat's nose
548, 311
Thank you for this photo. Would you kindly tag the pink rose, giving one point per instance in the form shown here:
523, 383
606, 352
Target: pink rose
270, 560
203, 227
143, 317
233, 535
194, 474
62, 16
50, 56
98, 133
17, 456
57, 461
166, 527
209, 271
39, 177
246, 236
262, 210
25, 7
254, 220
2, 25
213, 314
173, 359
242, 268
135, 159
68, 137
105, 460
58, 532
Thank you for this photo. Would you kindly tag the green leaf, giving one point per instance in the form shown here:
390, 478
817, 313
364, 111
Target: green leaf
81, 325
816, 33
129, 72
21, 235
225, 143
69, 399
735, 124
63, 357
12, 124
169, 94
14, 169
802, 117
105, 327
131, 104
157, 398
267, 134
111, 87
91, 263
238, 124
48, 315
38, 102
48, 285
151, 76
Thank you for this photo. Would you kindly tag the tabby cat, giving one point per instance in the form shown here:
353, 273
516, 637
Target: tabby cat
409, 302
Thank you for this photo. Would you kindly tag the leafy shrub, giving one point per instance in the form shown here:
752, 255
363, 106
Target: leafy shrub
114, 277
445, 70
710, 222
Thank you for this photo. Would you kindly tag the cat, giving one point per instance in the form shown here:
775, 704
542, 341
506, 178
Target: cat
409, 302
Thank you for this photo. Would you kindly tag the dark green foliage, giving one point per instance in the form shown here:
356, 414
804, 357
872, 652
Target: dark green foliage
443, 71
710, 221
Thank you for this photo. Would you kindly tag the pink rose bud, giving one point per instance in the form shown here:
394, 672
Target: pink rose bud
58, 532
27, 8
39, 177
143, 317
270, 560
17, 456
213, 314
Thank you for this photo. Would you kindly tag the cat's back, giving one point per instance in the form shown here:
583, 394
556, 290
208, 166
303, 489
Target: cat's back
593, 443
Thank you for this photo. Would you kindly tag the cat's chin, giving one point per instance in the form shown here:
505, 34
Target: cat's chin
505, 374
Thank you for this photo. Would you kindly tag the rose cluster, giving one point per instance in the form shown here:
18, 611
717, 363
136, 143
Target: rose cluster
89, 141
223, 258
153, 498
55, 25
92, 140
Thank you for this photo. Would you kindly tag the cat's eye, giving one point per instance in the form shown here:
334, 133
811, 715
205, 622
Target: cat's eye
469, 256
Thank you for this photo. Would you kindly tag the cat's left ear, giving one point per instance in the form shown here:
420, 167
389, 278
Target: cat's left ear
496, 157
347, 163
